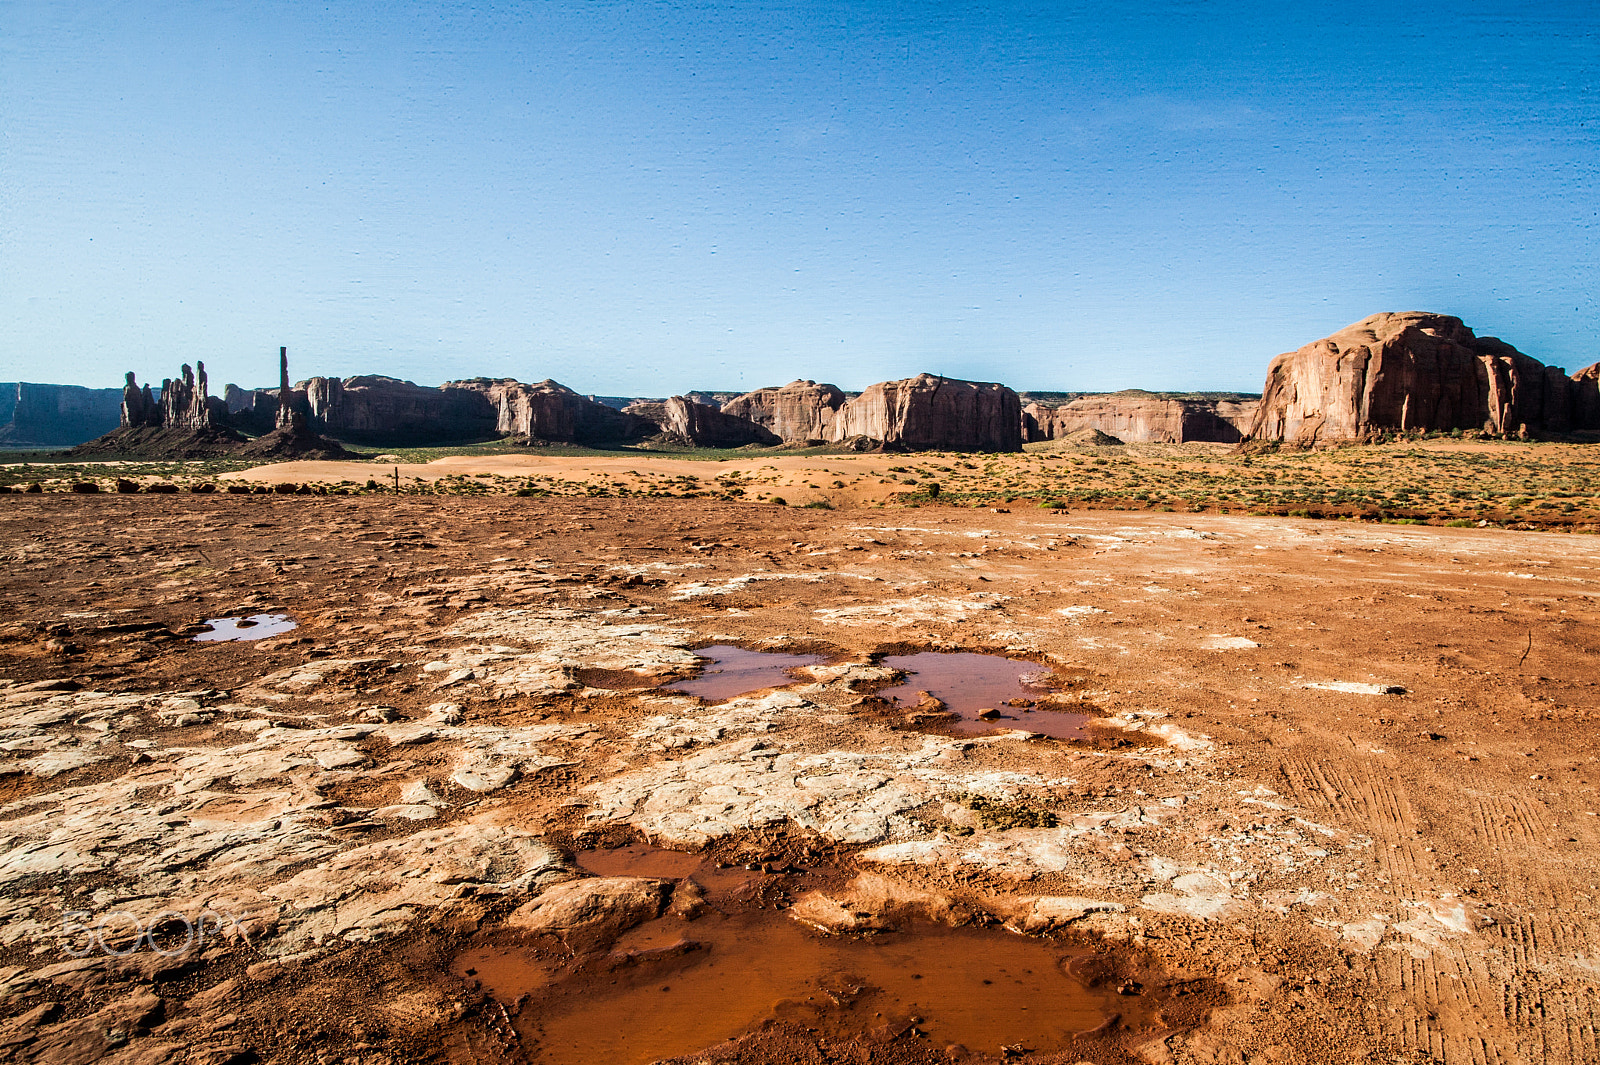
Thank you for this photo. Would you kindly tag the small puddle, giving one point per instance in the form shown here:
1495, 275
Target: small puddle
734, 671
672, 987
254, 627
971, 685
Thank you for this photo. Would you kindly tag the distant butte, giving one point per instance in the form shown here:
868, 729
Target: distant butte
1414, 372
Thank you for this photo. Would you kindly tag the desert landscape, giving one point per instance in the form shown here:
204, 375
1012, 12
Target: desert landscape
1242, 786
745, 533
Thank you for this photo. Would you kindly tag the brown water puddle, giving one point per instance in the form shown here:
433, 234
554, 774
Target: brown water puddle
733, 671
674, 986
971, 685
254, 627
640, 859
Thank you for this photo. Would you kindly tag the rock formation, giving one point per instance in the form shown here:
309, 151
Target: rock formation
1586, 400
934, 412
294, 409
386, 410
799, 412
139, 407
254, 410
55, 415
700, 425
184, 402
1135, 416
187, 423
1412, 372
551, 411
719, 400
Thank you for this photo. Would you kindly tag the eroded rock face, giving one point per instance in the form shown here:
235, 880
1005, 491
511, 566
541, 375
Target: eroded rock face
800, 411
701, 425
1411, 371
138, 405
184, 402
1138, 417
934, 412
1586, 402
386, 410
183, 422
548, 410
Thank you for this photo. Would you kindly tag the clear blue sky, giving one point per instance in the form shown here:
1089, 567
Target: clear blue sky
646, 198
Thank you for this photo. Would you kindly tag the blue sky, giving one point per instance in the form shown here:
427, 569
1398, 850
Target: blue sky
646, 198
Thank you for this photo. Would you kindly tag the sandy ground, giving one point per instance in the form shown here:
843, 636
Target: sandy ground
799, 479
1344, 779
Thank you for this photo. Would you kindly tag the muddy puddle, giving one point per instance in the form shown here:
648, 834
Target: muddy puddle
673, 986
733, 671
254, 627
639, 860
984, 693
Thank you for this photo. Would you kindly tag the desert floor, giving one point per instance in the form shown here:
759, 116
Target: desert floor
1337, 801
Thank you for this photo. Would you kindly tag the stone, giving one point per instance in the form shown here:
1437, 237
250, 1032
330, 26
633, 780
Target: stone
1586, 388
928, 412
385, 410
1353, 687
1135, 416
1413, 372
409, 733
872, 902
184, 403
688, 899
58, 415
1033, 915
444, 713
1206, 896
1222, 642
418, 792
405, 812
483, 777
591, 913
800, 412
375, 890
138, 405
550, 411
701, 425
96, 1035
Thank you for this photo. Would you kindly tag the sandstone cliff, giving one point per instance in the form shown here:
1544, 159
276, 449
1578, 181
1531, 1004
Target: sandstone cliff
1586, 400
799, 412
384, 410
55, 415
701, 425
1411, 372
933, 412
1136, 416
551, 411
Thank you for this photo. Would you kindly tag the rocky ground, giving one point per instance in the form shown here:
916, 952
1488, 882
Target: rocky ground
1339, 805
